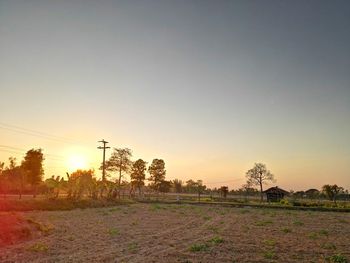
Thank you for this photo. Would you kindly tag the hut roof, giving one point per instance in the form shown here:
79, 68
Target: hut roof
276, 189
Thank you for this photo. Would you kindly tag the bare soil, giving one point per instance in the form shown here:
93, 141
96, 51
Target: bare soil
174, 233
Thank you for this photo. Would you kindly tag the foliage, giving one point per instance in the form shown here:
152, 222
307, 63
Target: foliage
332, 191
178, 185
120, 161
157, 173
33, 166
138, 174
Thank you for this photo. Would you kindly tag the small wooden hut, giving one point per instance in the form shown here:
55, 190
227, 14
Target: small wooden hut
275, 194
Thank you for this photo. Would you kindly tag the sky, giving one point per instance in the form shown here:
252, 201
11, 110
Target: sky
211, 87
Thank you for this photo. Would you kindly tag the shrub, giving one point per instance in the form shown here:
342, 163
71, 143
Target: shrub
338, 258
199, 247
38, 247
217, 240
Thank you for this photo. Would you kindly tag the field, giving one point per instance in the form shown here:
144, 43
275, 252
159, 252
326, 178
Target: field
174, 233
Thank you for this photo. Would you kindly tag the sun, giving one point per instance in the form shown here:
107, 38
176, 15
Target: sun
76, 161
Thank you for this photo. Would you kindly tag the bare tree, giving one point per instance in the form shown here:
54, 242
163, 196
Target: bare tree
258, 176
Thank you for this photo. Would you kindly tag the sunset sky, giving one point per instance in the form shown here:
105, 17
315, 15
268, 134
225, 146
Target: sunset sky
211, 87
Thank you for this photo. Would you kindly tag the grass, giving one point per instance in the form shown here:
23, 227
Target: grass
313, 235
269, 242
44, 228
61, 204
269, 254
38, 247
217, 240
338, 258
323, 232
113, 232
199, 247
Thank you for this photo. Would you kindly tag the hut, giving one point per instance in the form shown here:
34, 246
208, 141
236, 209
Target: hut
275, 194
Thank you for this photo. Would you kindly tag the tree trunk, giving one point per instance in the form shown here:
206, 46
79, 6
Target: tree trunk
261, 193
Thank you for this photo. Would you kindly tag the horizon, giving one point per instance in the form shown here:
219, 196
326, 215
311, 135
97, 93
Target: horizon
209, 88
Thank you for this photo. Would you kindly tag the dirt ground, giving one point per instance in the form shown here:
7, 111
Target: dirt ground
175, 233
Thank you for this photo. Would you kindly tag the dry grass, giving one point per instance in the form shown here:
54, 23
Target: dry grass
181, 233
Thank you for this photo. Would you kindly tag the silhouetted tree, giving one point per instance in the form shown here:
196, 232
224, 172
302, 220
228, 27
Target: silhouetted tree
138, 174
33, 167
157, 172
200, 188
331, 191
164, 186
224, 191
54, 186
177, 184
259, 175
120, 161
191, 186
81, 182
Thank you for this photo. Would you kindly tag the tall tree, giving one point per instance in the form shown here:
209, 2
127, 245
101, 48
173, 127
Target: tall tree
157, 172
200, 188
258, 176
332, 191
177, 184
138, 174
33, 167
120, 162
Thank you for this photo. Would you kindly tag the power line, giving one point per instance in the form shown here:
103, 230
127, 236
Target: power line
24, 150
39, 134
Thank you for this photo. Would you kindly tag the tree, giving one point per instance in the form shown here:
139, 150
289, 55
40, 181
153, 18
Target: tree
15, 176
259, 175
331, 191
157, 172
138, 174
224, 191
200, 188
177, 184
191, 186
120, 161
33, 167
164, 186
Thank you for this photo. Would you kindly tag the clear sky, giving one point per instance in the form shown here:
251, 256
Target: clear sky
209, 86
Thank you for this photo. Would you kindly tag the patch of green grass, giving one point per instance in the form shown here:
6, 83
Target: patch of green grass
338, 258
264, 223
132, 247
206, 217
313, 235
113, 231
217, 240
244, 211
269, 254
286, 230
199, 247
38, 247
269, 242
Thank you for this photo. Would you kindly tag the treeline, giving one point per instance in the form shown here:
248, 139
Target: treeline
26, 177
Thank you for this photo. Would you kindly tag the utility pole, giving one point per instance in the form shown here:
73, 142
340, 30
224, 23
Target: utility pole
104, 158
